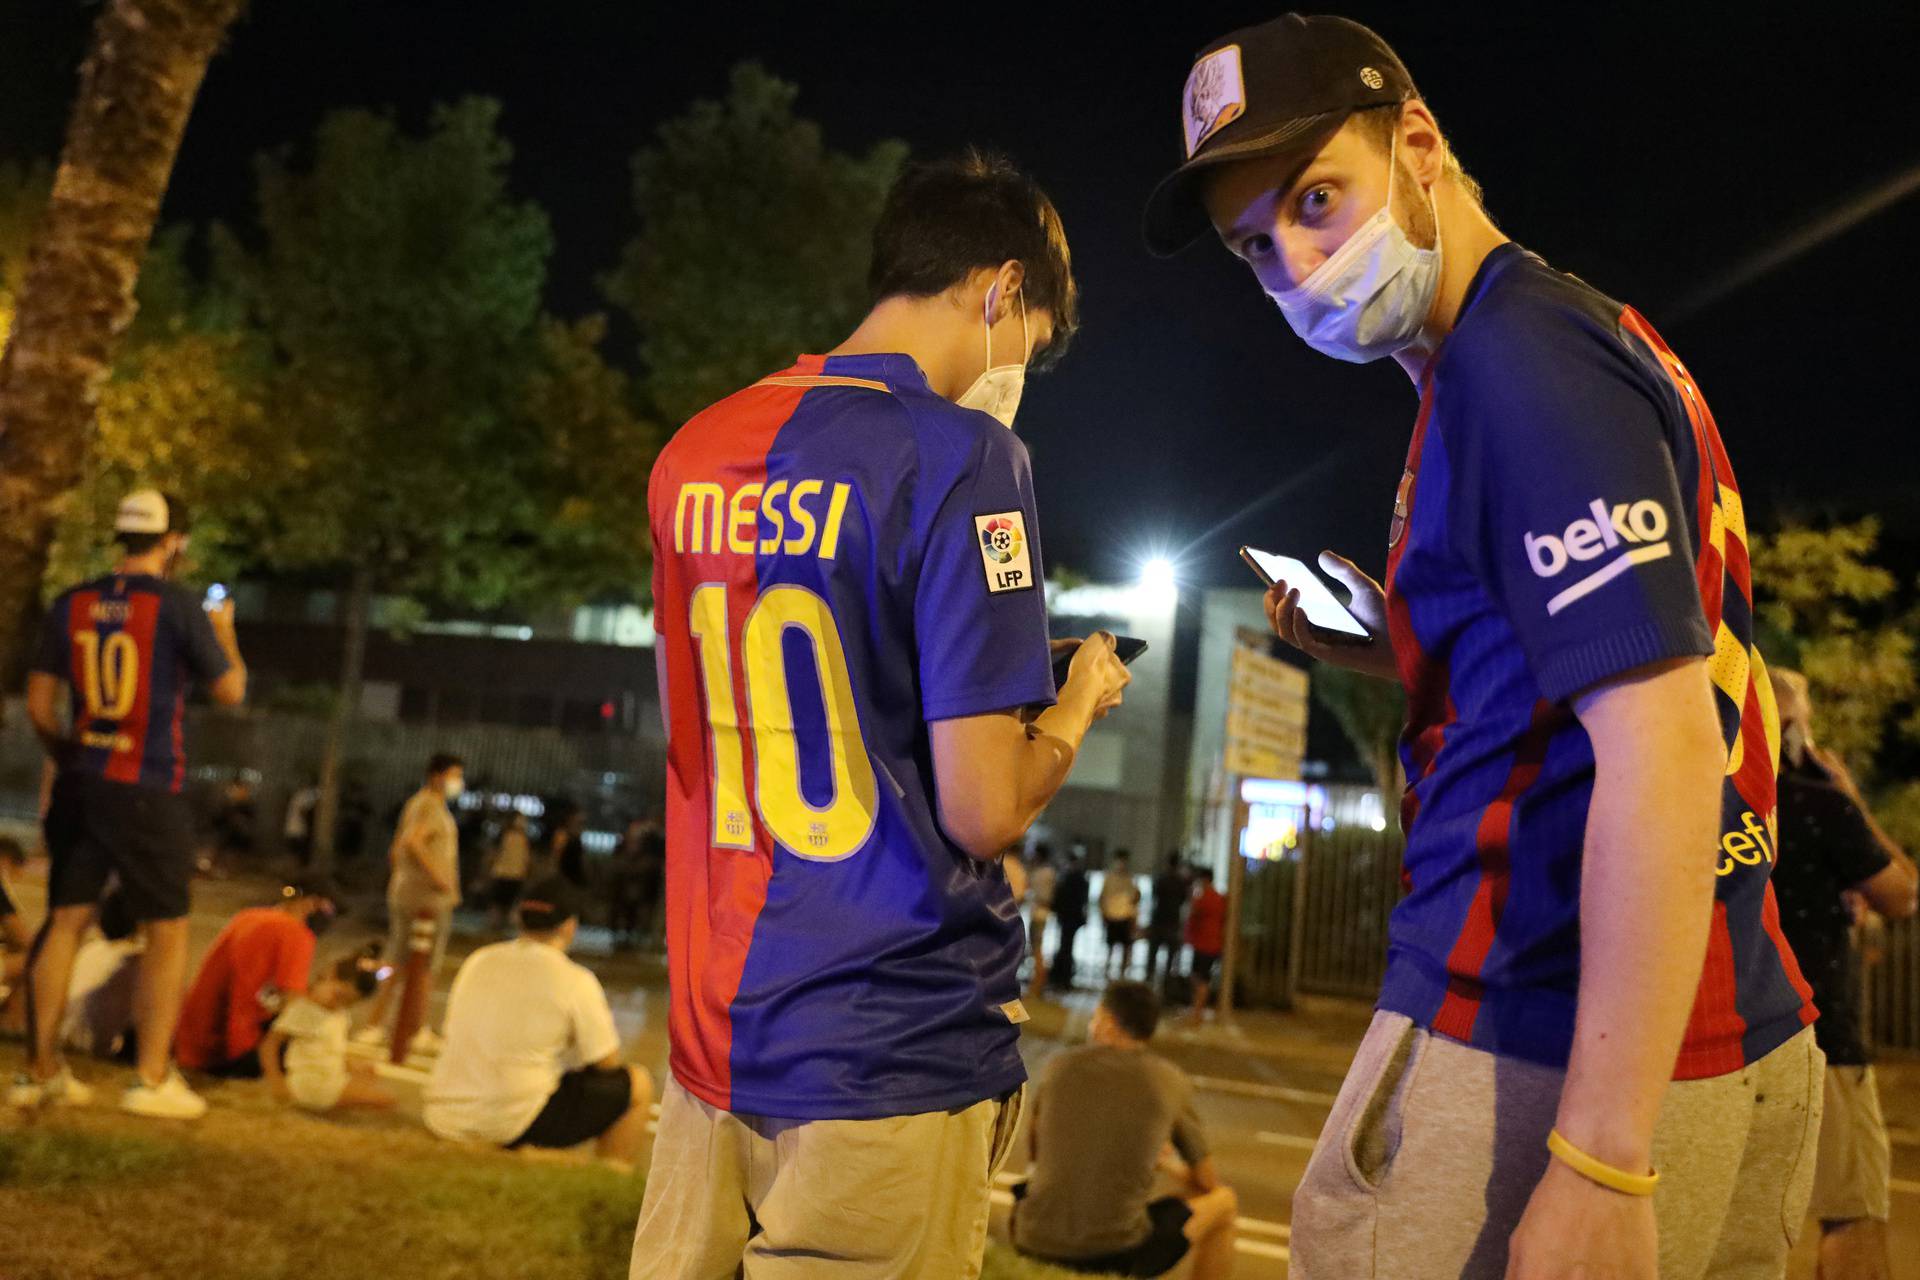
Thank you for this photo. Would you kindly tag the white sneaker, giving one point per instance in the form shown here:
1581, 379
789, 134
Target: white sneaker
172, 1099
425, 1040
61, 1090
373, 1036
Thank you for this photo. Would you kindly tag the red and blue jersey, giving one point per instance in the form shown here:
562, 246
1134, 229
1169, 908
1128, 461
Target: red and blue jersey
1567, 514
130, 647
840, 558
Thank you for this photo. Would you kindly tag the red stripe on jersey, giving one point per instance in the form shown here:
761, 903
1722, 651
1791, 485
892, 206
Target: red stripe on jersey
129, 758
1461, 1006
714, 895
1715, 1028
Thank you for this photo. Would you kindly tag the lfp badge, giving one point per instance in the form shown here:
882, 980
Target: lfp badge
1004, 552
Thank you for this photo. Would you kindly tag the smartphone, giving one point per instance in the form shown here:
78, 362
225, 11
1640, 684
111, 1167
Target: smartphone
1324, 609
1125, 648
216, 596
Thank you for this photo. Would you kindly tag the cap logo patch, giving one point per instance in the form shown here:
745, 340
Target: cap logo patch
1216, 96
1371, 78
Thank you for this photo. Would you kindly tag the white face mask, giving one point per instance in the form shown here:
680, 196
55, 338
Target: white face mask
1370, 298
455, 788
997, 390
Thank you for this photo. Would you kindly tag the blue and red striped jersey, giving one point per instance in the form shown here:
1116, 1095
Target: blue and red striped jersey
1567, 514
840, 557
129, 648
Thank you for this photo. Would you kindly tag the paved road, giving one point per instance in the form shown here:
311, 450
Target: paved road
1266, 1082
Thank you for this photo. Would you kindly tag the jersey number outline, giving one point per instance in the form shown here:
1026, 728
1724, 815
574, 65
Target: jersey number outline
819, 834
109, 673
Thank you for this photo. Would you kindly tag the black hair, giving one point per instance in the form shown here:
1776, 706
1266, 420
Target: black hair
1203, 873
441, 761
945, 219
361, 969
1134, 1006
547, 904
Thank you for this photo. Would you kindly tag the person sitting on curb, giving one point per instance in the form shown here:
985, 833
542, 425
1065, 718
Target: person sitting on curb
261, 959
531, 1056
304, 1057
1100, 1121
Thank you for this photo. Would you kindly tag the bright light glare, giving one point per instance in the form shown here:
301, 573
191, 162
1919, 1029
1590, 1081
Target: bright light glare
1159, 585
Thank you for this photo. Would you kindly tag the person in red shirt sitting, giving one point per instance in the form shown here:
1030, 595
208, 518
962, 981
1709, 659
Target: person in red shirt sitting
261, 958
1206, 934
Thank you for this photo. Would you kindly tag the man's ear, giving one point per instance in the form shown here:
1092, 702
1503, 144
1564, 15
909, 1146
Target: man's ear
1003, 293
1421, 144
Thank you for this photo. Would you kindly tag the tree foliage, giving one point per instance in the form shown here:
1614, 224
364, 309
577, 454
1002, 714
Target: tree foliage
1371, 713
753, 244
1826, 608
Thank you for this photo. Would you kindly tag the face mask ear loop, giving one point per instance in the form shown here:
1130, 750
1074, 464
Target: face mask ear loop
1026, 340
986, 316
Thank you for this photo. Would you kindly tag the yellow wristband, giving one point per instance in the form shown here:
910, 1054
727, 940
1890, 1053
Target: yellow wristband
1633, 1184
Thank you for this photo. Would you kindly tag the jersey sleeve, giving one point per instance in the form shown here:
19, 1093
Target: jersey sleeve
1566, 505
51, 654
201, 648
980, 610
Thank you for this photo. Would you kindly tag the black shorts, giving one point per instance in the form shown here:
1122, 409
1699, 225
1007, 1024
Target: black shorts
1202, 968
584, 1105
96, 829
1166, 1244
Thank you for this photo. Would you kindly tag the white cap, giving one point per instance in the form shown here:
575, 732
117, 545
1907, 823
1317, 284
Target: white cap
143, 511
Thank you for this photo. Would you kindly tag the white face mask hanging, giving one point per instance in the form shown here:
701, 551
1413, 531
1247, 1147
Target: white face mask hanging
1371, 297
998, 388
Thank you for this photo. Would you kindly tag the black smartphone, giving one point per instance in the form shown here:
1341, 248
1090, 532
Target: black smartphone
1125, 648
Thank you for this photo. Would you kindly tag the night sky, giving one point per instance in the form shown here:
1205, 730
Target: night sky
1648, 149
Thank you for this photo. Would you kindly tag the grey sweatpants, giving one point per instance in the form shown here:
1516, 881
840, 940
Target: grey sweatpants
1433, 1148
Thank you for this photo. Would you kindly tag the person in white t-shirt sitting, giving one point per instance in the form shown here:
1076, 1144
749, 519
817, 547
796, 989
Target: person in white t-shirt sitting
304, 1056
531, 1055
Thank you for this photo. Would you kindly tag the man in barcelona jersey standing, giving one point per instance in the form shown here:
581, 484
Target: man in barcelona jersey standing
861, 718
1592, 1054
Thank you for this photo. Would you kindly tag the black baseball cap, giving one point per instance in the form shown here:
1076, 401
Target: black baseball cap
1263, 90
548, 904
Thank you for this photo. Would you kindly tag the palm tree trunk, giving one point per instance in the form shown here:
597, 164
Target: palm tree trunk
137, 88
353, 657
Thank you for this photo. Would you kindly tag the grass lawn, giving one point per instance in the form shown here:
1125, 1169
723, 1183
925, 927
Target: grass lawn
255, 1192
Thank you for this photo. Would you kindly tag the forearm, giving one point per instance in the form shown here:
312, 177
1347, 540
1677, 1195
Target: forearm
43, 712
1646, 895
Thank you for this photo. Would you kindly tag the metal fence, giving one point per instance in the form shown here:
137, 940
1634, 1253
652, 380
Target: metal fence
1316, 923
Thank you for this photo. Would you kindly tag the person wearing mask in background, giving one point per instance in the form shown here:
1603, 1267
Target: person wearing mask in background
129, 647
425, 881
512, 863
1831, 849
1119, 914
1070, 898
1041, 883
847, 960
1596, 1049
263, 956
1206, 939
1171, 889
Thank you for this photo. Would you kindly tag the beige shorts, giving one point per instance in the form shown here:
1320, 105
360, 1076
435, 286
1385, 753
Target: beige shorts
904, 1198
1854, 1177
1433, 1148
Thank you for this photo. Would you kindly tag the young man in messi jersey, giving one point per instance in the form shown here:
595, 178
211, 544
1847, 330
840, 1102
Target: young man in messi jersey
852, 647
128, 646
1586, 981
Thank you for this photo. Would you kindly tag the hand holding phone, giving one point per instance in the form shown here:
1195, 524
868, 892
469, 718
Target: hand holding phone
1306, 614
1125, 648
1095, 664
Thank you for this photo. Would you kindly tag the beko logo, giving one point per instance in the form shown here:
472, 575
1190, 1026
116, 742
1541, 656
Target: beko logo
1634, 532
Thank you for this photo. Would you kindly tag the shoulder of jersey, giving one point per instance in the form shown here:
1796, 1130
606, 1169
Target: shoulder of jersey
1525, 316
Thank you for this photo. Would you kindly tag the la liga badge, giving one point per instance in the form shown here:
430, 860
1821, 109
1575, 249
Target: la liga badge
1004, 551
